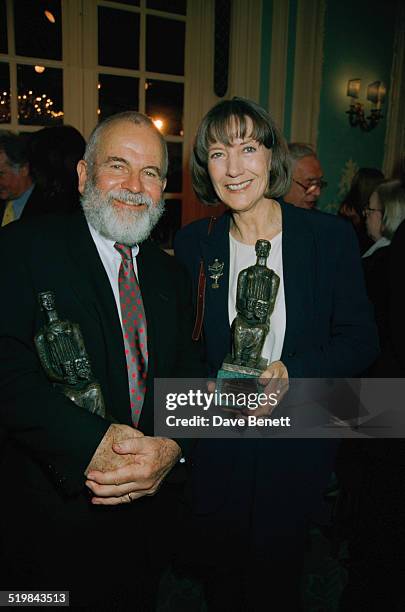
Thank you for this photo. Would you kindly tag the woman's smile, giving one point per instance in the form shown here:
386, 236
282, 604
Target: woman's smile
239, 186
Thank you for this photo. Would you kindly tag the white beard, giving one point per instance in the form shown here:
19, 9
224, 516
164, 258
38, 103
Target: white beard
130, 226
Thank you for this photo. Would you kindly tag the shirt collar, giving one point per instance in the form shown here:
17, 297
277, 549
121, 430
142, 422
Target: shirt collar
20, 202
381, 242
109, 244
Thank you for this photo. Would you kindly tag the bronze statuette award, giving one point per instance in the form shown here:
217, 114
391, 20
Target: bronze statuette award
255, 299
64, 358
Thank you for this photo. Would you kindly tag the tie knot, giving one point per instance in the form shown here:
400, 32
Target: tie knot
124, 250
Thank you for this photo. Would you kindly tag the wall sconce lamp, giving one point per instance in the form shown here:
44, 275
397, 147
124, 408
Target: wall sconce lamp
376, 93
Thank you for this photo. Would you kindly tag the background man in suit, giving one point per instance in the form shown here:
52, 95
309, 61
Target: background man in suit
307, 176
16, 184
54, 531
38, 174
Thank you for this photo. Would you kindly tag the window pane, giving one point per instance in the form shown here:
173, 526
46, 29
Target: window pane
170, 6
5, 116
38, 28
118, 38
164, 101
117, 94
3, 27
40, 96
168, 225
175, 175
159, 59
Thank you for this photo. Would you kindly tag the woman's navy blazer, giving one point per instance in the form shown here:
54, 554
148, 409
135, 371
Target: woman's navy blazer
330, 329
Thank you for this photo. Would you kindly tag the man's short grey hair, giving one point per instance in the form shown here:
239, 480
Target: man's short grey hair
131, 117
298, 150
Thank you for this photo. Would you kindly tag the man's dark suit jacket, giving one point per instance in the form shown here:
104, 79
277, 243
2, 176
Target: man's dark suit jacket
329, 332
33, 206
50, 440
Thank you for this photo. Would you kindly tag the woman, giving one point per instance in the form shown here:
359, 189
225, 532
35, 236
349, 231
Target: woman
363, 184
251, 498
385, 212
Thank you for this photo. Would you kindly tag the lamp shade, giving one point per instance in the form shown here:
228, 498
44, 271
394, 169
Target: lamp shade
376, 92
353, 88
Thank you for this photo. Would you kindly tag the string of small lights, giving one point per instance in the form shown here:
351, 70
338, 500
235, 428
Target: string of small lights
30, 107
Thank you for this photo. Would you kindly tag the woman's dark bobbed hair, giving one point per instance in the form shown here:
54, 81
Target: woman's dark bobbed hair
218, 125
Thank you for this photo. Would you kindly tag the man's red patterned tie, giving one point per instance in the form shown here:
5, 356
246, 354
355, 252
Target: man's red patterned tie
134, 330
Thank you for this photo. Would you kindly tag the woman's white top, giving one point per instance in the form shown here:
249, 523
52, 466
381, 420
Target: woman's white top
242, 256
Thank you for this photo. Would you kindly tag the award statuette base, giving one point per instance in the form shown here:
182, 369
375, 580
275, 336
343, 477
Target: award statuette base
236, 381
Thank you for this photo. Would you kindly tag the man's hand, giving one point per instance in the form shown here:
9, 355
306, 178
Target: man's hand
105, 458
149, 461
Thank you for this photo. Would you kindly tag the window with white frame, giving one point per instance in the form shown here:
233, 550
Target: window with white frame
79, 61
86, 59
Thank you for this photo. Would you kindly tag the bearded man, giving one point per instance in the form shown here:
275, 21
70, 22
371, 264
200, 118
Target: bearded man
79, 511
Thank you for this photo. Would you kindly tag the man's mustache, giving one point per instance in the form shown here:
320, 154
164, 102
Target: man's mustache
128, 197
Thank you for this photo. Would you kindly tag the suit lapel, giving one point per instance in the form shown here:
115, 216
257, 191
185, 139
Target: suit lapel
91, 285
216, 246
299, 253
159, 300
88, 278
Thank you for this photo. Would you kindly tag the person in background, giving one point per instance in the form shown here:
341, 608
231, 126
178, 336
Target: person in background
352, 208
54, 153
18, 196
307, 176
251, 499
372, 471
384, 213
